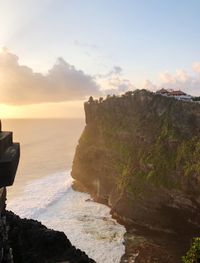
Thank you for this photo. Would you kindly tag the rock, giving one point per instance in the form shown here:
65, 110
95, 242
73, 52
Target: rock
32, 242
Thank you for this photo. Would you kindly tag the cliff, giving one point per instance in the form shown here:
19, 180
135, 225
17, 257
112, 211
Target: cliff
140, 154
23, 240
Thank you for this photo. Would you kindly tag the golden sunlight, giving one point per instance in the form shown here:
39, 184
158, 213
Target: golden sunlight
72, 109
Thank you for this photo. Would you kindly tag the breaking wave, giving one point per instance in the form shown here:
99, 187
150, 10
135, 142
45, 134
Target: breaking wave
87, 224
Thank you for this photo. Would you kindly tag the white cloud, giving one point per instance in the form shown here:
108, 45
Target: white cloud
189, 83
166, 77
196, 67
20, 85
114, 82
149, 85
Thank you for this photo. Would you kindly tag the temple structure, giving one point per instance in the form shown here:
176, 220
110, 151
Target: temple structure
177, 94
9, 159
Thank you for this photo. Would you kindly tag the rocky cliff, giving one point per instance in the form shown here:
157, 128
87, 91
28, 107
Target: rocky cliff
140, 153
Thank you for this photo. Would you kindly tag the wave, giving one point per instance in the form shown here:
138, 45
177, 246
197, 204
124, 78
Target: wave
40, 194
88, 225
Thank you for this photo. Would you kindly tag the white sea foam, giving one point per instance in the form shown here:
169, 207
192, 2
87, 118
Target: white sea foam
88, 225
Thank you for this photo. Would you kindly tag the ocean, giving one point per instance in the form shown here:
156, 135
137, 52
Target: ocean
42, 188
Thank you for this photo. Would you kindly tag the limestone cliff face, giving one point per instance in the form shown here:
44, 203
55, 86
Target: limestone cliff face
140, 153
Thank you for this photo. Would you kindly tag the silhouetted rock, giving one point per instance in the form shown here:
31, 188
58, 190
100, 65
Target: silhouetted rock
32, 242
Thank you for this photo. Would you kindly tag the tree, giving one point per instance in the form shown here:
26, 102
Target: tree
100, 99
108, 97
129, 93
91, 100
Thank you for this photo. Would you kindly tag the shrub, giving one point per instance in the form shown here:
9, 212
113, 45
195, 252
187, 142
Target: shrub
193, 255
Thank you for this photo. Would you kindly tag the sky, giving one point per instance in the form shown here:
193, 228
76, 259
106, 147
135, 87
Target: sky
54, 54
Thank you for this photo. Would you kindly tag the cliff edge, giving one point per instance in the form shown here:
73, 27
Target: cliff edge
140, 154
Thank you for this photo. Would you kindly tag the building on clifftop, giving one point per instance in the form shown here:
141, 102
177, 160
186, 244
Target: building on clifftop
177, 94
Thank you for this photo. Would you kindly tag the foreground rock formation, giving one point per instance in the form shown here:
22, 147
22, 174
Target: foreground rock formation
140, 154
26, 240
9, 159
32, 242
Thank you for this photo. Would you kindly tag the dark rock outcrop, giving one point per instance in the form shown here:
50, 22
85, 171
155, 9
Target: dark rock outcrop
140, 154
32, 242
9, 158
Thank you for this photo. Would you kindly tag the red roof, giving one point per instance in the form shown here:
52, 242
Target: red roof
177, 93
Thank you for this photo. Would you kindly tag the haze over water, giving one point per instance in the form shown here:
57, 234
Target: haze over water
42, 188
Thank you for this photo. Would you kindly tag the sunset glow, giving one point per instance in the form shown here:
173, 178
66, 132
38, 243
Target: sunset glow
48, 58
47, 110
100, 125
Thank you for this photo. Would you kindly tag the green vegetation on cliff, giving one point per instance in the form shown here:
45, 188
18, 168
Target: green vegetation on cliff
145, 140
193, 255
140, 153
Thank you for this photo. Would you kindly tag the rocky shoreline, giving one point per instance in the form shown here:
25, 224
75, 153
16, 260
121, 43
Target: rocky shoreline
142, 245
146, 245
32, 242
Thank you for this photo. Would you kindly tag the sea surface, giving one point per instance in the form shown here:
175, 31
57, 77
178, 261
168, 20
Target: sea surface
42, 188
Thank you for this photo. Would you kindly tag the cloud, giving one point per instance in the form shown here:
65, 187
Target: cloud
196, 67
120, 84
114, 82
63, 82
149, 85
115, 71
189, 83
